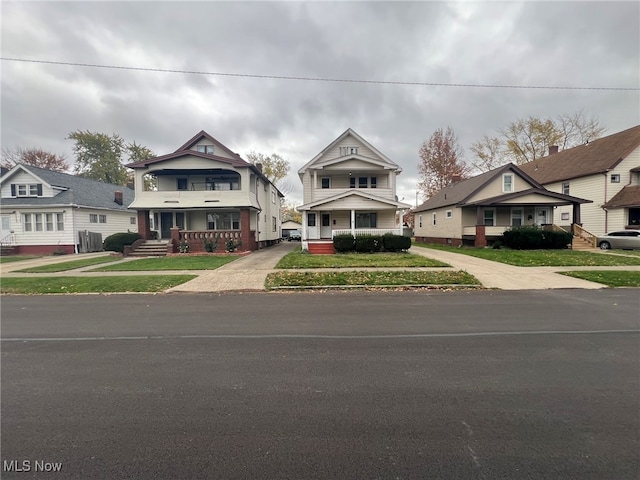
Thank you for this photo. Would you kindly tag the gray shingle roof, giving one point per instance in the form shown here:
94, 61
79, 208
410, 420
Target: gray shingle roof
78, 191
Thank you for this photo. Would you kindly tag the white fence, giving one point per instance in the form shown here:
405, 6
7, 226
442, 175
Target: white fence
366, 231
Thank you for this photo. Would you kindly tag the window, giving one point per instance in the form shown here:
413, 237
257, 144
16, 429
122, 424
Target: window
28, 226
366, 220
223, 221
224, 182
132, 220
615, 178
182, 183
433, 219
60, 222
489, 217
348, 151
516, 217
565, 188
205, 149
352, 182
38, 222
49, 222
326, 182
93, 218
507, 182
564, 215
102, 218
374, 182
449, 213
273, 196
274, 224
311, 219
26, 190
363, 182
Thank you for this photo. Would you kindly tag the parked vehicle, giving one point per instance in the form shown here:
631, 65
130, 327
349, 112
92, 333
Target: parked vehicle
624, 239
295, 235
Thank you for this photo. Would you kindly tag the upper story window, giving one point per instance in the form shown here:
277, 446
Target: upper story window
273, 196
615, 178
26, 189
205, 149
348, 151
565, 188
326, 182
182, 184
449, 214
230, 181
363, 182
507, 182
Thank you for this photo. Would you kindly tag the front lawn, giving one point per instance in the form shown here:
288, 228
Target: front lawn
612, 278
15, 258
540, 258
369, 278
299, 259
72, 265
141, 283
179, 262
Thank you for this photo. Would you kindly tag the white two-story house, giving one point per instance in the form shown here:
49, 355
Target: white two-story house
349, 187
206, 192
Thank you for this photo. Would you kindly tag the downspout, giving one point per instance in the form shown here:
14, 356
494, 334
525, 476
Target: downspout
606, 212
258, 213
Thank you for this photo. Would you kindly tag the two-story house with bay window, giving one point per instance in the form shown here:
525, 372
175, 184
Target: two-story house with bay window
44, 212
206, 192
349, 187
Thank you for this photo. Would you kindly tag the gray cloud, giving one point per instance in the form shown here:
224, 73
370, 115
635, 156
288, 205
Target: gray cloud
530, 43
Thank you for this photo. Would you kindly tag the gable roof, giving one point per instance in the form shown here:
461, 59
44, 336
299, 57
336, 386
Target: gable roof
595, 157
345, 134
74, 190
459, 192
629, 196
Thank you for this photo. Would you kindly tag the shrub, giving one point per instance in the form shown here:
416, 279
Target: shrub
117, 241
368, 243
395, 243
533, 237
344, 243
209, 245
496, 245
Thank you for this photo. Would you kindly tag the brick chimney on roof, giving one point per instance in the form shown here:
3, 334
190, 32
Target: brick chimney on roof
118, 197
259, 167
456, 178
553, 149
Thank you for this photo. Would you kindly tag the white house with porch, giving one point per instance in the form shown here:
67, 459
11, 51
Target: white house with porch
349, 187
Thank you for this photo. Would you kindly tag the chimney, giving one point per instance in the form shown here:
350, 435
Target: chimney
118, 197
455, 178
259, 167
553, 149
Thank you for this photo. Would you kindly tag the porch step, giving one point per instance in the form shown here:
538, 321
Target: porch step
324, 248
581, 244
151, 249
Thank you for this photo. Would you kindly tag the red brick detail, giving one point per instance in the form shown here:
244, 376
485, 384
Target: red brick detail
321, 248
248, 236
144, 228
456, 242
481, 237
44, 249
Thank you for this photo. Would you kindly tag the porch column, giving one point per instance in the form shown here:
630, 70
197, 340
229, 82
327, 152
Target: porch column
248, 243
143, 224
304, 225
576, 214
481, 230
353, 223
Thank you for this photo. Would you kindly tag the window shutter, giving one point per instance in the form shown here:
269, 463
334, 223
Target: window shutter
13, 189
39, 189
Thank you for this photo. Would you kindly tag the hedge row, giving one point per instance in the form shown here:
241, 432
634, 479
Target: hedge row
371, 243
534, 238
117, 241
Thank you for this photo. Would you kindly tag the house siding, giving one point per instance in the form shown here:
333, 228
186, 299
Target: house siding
444, 228
494, 188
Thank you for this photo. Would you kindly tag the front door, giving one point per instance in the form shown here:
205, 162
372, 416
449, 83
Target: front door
312, 226
5, 227
166, 222
325, 225
542, 215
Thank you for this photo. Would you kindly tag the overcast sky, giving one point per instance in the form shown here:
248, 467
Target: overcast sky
568, 44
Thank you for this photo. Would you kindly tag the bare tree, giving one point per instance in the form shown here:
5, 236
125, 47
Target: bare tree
441, 162
35, 157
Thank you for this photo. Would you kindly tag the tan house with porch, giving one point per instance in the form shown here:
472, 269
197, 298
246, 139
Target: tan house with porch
349, 187
205, 193
478, 210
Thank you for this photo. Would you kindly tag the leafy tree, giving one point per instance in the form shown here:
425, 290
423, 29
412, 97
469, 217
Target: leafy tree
139, 153
99, 156
288, 212
274, 167
440, 162
35, 157
527, 139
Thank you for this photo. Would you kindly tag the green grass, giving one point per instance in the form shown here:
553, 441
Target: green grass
612, 278
540, 258
72, 265
369, 278
16, 258
299, 259
635, 253
140, 283
195, 262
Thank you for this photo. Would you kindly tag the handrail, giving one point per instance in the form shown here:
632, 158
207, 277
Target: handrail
11, 239
587, 236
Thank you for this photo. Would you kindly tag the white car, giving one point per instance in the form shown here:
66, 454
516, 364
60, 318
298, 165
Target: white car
624, 239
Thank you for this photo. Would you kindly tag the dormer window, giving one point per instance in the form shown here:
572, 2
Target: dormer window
348, 151
205, 149
26, 190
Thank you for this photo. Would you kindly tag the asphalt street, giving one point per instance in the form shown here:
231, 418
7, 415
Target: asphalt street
345, 385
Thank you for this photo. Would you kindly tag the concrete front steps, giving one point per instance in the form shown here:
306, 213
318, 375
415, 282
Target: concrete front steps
151, 249
321, 248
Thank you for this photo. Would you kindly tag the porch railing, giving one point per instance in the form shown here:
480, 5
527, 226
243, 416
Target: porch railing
8, 240
587, 236
366, 231
195, 235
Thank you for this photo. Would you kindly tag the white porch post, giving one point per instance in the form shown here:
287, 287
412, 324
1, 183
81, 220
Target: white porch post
353, 223
304, 225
